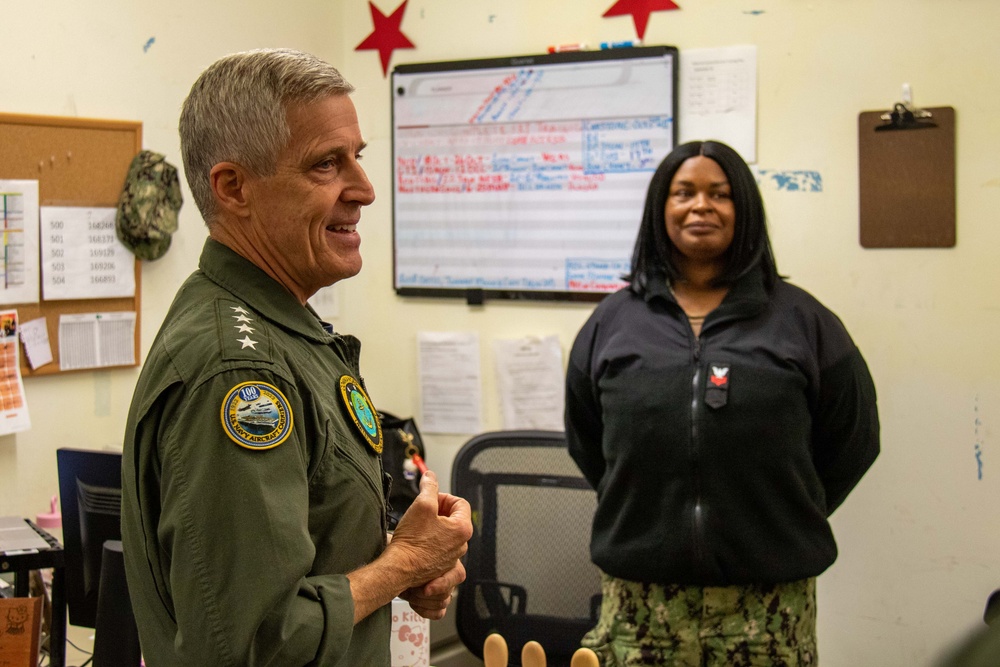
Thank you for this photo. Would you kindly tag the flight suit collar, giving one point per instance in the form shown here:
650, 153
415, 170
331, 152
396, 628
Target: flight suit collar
246, 281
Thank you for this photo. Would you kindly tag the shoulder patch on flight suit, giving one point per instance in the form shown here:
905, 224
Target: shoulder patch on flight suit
359, 406
256, 415
243, 334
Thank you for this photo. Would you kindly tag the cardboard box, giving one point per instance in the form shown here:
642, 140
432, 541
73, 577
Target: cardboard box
20, 631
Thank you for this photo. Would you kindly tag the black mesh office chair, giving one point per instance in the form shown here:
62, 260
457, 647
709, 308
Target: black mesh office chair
529, 575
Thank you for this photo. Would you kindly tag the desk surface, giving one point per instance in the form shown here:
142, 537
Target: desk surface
20, 562
17, 535
17, 554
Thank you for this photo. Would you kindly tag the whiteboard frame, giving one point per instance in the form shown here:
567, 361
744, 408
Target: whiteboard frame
476, 295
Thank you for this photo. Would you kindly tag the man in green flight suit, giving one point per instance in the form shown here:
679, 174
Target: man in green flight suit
253, 504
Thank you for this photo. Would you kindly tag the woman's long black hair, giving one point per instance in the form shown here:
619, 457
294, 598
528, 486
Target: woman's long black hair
751, 247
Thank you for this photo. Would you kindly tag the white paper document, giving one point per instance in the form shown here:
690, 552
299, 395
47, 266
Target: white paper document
718, 97
82, 257
35, 338
326, 302
450, 382
96, 340
13, 405
530, 382
19, 215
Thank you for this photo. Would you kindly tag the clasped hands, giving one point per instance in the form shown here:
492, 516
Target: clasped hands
432, 537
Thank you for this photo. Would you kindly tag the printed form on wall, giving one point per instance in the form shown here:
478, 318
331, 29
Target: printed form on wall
19, 209
326, 302
450, 382
530, 380
13, 405
719, 97
82, 257
96, 340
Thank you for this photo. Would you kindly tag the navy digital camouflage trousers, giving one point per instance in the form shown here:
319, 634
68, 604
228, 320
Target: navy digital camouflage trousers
771, 625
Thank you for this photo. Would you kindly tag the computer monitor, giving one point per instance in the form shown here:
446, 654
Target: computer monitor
90, 492
90, 488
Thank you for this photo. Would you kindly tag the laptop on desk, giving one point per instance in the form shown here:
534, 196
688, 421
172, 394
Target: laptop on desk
16, 535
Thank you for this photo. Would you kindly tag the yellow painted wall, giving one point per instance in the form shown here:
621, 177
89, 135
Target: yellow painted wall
920, 550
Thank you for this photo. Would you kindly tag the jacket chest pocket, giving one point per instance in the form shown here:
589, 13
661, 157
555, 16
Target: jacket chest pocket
350, 474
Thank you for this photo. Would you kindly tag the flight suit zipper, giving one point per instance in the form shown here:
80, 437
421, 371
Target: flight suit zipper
383, 481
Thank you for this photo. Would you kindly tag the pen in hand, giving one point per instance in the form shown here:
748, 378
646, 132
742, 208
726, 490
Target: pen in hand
419, 462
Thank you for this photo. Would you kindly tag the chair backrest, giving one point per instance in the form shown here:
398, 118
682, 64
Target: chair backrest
529, 573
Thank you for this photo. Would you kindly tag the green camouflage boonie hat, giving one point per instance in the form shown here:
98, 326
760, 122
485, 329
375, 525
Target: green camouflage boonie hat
147, 210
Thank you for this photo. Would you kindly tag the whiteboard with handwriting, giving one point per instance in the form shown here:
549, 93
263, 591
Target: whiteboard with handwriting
525, 177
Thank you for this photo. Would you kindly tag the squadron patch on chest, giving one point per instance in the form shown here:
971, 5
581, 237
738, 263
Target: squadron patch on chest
256, 415
359, 406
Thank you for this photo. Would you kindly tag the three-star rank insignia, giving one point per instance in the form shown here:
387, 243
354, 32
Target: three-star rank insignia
256, 415
359, 406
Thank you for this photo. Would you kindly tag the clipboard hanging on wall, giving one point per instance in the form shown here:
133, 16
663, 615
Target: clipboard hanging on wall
907, 177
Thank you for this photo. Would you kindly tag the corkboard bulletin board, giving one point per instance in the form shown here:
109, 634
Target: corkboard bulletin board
77, 162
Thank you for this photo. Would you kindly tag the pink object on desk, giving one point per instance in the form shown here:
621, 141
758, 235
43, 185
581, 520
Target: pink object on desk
51, 520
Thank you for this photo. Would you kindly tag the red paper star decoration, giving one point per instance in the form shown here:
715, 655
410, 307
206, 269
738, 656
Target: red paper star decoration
387, 36
640, 11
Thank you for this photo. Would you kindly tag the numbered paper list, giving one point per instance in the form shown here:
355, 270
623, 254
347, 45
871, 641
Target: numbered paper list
82, 257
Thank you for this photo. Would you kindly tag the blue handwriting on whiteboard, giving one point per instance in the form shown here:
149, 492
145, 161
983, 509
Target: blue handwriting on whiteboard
596, 274
470, 282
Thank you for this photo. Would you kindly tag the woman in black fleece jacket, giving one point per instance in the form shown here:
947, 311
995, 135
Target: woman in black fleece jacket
722, 414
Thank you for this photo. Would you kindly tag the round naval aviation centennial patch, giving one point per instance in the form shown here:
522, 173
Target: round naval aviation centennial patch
359, 406
256, 415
